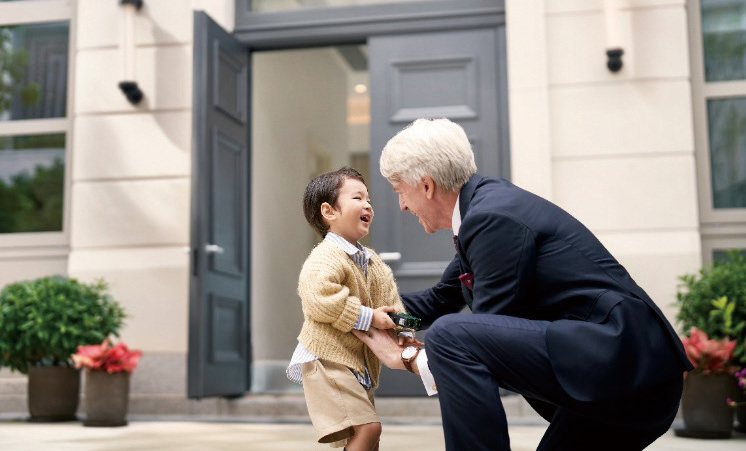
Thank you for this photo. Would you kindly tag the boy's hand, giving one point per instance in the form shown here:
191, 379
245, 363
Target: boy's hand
381, 318
409, 341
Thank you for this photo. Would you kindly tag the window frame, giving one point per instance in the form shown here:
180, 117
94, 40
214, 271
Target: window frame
42, 244
721, 228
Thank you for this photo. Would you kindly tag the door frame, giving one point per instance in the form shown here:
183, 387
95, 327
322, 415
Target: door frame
311, 27
263, 30
332, 26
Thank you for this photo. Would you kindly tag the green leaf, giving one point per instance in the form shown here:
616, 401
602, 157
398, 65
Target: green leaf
714, 300
46, 319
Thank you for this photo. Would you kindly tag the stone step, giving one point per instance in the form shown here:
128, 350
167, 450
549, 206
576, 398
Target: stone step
292, 408
13, 385
256, 407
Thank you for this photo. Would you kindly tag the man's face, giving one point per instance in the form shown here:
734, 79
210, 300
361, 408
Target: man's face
414, 199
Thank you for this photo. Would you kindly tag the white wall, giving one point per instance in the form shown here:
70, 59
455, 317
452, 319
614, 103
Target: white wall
299, 107
614, 149
131, 173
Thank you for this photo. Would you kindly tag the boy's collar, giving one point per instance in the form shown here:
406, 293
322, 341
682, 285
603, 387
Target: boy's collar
346, 246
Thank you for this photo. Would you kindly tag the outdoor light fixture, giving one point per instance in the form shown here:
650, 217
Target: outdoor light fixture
614, 49
129, 85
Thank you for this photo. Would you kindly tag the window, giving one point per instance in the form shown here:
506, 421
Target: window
34, 67
278, 5
719, 96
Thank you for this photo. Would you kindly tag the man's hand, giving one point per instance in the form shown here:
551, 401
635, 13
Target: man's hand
409, 341
384, 345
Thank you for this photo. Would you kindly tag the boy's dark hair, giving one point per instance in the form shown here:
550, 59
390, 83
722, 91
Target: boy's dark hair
325, 188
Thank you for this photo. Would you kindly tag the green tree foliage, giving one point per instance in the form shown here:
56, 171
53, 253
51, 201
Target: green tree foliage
33, 203
13, 63
714, 301
43, 321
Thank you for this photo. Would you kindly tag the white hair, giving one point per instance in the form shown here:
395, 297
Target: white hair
435, 147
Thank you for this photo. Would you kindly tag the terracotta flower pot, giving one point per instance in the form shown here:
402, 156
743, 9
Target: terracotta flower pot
106, 398
704, 407
53, 393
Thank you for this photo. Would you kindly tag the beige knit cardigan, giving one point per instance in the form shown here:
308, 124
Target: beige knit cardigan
332, 288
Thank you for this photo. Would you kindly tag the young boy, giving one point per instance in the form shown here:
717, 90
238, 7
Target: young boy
342, 286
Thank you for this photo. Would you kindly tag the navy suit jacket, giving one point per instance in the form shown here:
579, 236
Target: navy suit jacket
531, 259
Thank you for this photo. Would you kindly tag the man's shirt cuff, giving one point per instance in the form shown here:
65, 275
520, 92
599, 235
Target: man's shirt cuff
427, 377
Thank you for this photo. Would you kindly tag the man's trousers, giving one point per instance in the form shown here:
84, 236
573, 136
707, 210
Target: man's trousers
473, 356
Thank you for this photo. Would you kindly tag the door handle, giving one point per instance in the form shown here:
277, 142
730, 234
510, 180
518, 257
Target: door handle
213, 249
390, 256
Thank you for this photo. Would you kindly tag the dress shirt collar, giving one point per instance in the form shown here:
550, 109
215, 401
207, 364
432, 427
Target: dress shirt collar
456, 219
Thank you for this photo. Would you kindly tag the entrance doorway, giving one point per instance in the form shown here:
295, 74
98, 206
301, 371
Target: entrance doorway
300, 114
310, 114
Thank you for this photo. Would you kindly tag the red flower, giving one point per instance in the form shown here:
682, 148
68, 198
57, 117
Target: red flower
112, 359
120, 359
708, 356
92, 356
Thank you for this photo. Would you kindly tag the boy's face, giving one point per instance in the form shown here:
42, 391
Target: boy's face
352, 216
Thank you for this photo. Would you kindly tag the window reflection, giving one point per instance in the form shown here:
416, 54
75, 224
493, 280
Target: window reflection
724, 39
722, 255
727, 128
32, 169
279, 5
33, 71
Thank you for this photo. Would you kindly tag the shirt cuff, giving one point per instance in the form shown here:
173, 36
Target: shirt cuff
406, 333
364, 318
427, 377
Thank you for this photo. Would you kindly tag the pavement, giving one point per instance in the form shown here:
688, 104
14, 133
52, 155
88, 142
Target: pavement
144, 434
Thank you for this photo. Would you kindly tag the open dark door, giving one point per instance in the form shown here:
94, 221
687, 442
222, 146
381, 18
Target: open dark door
458, 74
219, 351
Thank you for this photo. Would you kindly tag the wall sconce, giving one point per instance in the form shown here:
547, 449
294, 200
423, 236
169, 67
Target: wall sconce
614, 49
129, 85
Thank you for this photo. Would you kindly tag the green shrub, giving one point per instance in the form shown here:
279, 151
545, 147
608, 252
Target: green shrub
714, 301
43, 321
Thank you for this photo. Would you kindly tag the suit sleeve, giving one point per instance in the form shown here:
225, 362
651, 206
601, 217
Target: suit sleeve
502, 255
443, 298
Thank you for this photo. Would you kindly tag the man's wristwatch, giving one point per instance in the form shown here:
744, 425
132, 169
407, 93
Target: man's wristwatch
408, 355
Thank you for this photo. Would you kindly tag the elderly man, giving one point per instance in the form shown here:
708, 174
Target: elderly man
555, 317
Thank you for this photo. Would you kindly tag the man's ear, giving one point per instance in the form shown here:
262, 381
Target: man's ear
428, 184
327, 211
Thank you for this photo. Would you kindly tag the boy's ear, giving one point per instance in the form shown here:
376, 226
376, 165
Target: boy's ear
327, 211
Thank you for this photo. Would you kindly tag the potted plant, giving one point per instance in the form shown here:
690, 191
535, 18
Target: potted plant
107, 379
709, 388
714, 301
42, 322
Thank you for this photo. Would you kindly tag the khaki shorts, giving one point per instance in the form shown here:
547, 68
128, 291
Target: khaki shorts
336, 401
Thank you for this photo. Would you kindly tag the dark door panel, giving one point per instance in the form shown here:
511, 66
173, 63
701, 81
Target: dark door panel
219, 351
455, 74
